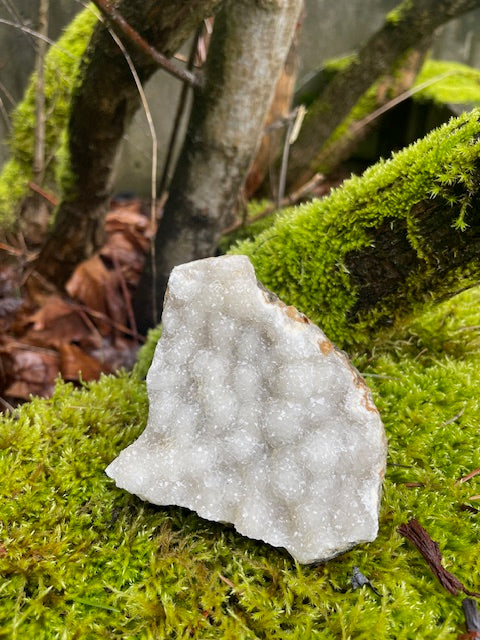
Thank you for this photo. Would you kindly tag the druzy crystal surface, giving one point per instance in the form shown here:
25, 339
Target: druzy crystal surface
256, 419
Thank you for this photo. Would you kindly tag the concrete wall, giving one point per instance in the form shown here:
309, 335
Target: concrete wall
330, 29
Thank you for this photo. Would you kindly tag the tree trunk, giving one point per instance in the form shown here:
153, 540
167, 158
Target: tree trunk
250, 42
102, 108
412, 22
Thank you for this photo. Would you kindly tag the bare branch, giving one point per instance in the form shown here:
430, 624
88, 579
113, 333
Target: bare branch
182, 102
135, 38
35, 34
153, 135
40, 117
288, 201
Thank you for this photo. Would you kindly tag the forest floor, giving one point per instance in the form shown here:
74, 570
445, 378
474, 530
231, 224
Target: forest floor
89, 328
78, 334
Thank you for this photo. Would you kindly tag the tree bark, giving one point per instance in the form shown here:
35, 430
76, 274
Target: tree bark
102, 108
249, 45
412, 22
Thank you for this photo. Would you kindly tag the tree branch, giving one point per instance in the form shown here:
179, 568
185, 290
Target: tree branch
415, 21
114, 17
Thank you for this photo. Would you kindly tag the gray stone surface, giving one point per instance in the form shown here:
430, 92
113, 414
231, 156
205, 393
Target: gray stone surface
256, 418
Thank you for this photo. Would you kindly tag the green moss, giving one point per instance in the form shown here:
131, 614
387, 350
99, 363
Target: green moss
396, 15
61, 68
303, 256
145, 354
455, 83
80, 558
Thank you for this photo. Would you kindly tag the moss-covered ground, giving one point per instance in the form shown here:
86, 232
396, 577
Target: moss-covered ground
80, 558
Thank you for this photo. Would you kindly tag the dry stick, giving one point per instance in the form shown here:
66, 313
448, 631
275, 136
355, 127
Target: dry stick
47, 196
153, 180
469, 476
126, 295
35, 34
40, 117
12, 10
403, 96
283, 167
135, 38
178, 118
429, 549
5, 116
294, 197
98, 315
456, 417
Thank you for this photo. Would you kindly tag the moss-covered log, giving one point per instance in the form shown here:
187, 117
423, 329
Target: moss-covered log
413, 22
406, 231
102, 107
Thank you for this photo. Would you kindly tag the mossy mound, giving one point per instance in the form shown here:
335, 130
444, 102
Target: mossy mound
80, 558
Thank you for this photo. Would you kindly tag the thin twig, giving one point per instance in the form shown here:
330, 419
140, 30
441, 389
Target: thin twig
429, 549
284, 165
469, 476
227, 581
459, 415
7, 405
153, 178
13, 11
5, 116
126, 295
135, 38
98, 315
35, 34
45, 195
178, 117
472, 618
400, 98
289, 200
40, 117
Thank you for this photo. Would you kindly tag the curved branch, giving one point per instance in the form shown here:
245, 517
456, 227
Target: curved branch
114, 17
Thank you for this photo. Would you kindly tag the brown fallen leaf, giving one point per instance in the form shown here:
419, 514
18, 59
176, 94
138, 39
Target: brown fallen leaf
429, 549
129, 220
77, 365
93, 284
57, 322
31, 371
119, 250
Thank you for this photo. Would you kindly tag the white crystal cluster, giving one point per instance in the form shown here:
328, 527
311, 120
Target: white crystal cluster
256, 419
